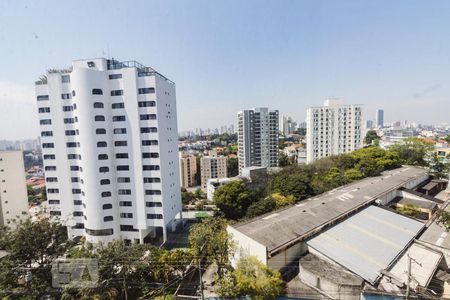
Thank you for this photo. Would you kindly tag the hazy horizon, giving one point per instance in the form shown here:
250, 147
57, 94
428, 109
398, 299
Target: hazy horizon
225, 56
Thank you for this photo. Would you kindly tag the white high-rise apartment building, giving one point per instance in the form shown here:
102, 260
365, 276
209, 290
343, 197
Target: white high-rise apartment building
110, 149
258, 138
212, 166
333, 129
13, 189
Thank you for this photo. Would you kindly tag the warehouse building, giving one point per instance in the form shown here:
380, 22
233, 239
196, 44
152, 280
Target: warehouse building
279, 238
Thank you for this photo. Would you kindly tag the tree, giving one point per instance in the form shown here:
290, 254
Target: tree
285, 160
409, 210
371, 136
281, 200
32, 247
293, 180
251, 278
447, 138
209, 240
261, 207
443, 218
233, 199
413, 151
232, 167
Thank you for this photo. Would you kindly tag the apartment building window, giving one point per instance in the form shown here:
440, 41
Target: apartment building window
66, 96
125, 203
149, 90
77, 213
72, 144
106, 194
52, 191
124, 192
70, 132
65, 78
74, 168
108, 218
42, 97
149, 129
48, 145
146, 103
154, 216
149, 142
102, 156
120, 131
100, 131
67, 108
151, 179
105, 182
47, 133
152, 192
118, 105
148, 117
55, 213
100, 232
150, 155
77, 202
120, 143
102, 144
45, 122
73, 156
117, 93
98, 105
53, 201
76, 191
50, 168
49, 156
123, 179
127, 228
103, 169
150, 167
115, 76
69, 120
75, 179
121, 155
123, 168
51, 179
126, 215
107, 206
99, 118
97, 92
44, 110
118, 118
153, 204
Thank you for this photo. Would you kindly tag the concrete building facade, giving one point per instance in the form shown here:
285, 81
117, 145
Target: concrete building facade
109, 142
188, 169
333, 129
212, 166
13, 189
258, 138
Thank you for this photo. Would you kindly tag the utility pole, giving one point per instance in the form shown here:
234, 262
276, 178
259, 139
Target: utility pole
201, 279
409, 276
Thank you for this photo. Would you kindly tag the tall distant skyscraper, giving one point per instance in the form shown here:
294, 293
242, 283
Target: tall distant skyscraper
288, 126
333, 129
379, 118
110, 149
258, 138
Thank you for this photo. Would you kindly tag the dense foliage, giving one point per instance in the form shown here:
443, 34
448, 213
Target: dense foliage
250, 278
237, 200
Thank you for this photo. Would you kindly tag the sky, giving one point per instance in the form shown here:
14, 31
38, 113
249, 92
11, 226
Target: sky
225, 56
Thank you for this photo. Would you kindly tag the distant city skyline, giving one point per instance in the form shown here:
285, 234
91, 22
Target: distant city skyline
288, 55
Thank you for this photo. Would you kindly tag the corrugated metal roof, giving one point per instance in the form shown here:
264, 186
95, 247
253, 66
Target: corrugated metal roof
424, 262
300, 220
367, 242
